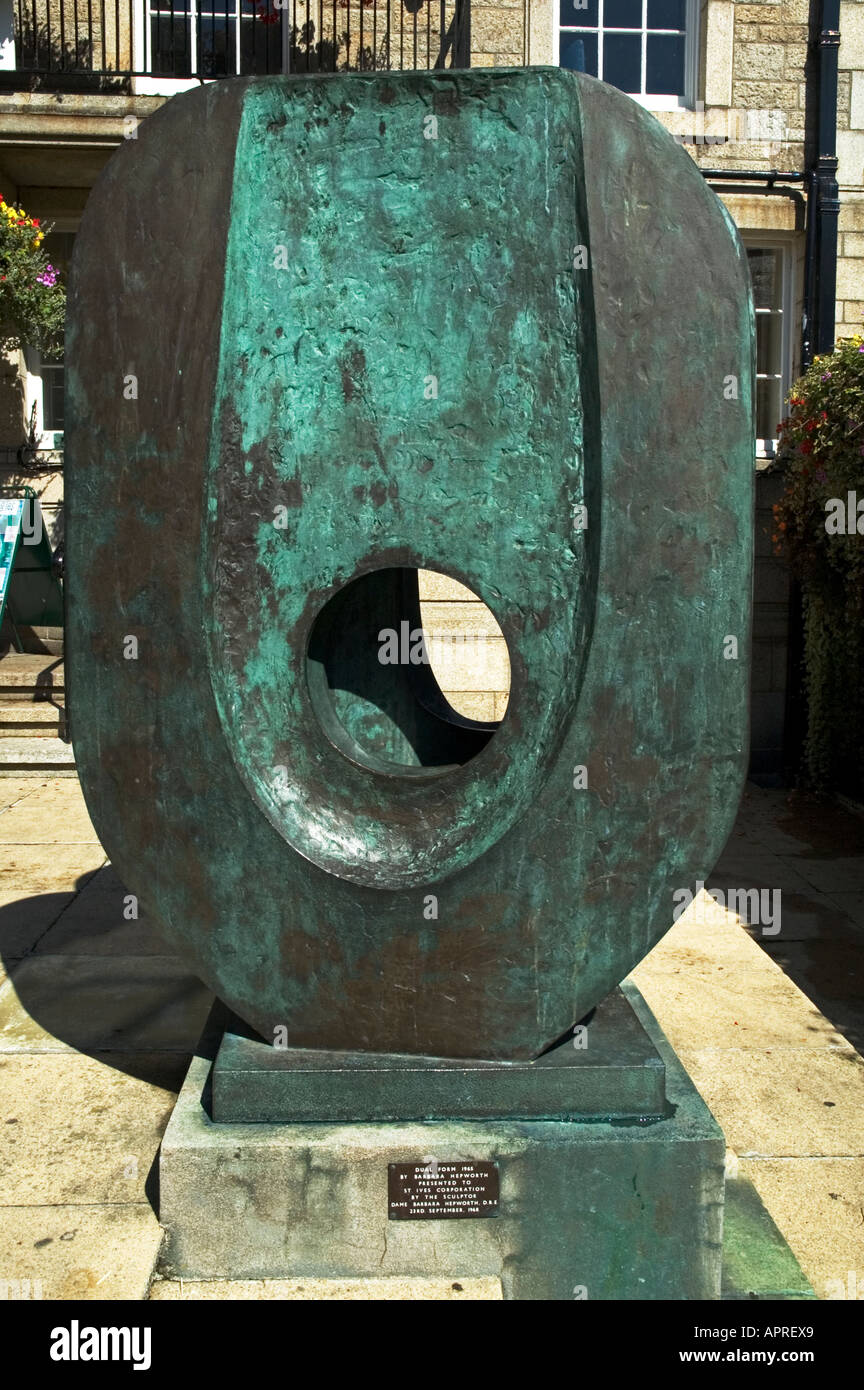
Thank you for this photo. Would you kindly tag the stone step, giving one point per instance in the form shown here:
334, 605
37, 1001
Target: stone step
31, 719
19, 755
31, 677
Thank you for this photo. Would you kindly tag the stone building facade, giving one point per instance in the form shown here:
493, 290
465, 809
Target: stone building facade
739, 85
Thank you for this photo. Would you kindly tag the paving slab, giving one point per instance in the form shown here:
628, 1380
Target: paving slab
784, 1101
80, 1129
836, 875
738, 1004
368, 1290
99, 1004
49, 815
91, 926
831, 973
851, 904
818, 1205
741, 848
99, 921
81, 1252
35, 869
773, 871
25, 919
816, 828
809, 916
13, 789
757, 1262
715, 987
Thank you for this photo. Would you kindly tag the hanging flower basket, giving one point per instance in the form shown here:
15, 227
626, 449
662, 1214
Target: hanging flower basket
32, 297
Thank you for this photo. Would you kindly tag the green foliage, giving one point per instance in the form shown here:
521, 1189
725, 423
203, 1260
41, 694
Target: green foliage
32, 299
822, 455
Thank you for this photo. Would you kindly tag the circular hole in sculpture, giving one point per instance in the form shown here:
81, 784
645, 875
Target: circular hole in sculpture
408, 670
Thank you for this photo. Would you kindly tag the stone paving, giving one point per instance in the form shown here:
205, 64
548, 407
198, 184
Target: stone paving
98, 1019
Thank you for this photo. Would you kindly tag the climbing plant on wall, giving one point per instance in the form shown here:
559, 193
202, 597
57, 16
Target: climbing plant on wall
819, 527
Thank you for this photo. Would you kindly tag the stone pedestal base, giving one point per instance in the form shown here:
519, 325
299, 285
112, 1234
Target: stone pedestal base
624, 1207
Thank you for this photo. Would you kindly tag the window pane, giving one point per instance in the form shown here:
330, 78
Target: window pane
769, 343
260, 46
52, 396
664, 67
216, 56
579, 53
622, 61
58, 248
765, 277
170, 43
578, 15
768, 409
665, 14
622, 14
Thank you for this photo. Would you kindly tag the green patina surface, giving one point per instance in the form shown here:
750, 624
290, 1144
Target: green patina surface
282, 811
401, 372
611, 1072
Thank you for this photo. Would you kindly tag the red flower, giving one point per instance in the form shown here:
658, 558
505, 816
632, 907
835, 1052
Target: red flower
806, 447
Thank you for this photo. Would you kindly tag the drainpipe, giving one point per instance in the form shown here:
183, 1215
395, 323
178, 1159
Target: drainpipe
825, 178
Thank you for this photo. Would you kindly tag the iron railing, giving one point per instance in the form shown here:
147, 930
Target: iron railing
111, 41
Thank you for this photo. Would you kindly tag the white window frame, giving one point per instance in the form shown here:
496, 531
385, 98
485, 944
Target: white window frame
142, 46
686, 102
784, 244
34, 394
31, 375
7, 35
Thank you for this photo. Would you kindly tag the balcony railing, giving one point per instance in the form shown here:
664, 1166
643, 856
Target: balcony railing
161, 45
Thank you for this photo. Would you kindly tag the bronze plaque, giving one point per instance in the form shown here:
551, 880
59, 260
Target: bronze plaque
434, 1191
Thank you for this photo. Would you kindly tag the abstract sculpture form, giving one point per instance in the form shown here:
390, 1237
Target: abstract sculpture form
490, 323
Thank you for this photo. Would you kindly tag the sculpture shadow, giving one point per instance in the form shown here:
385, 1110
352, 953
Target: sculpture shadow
83, 976
809, 931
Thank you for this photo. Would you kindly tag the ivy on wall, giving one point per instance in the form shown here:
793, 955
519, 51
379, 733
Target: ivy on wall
819, 527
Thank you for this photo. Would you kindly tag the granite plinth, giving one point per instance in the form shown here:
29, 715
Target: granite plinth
612, 1209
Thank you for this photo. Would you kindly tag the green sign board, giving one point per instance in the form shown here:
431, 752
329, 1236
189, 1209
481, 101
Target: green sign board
27, 578
11, 517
